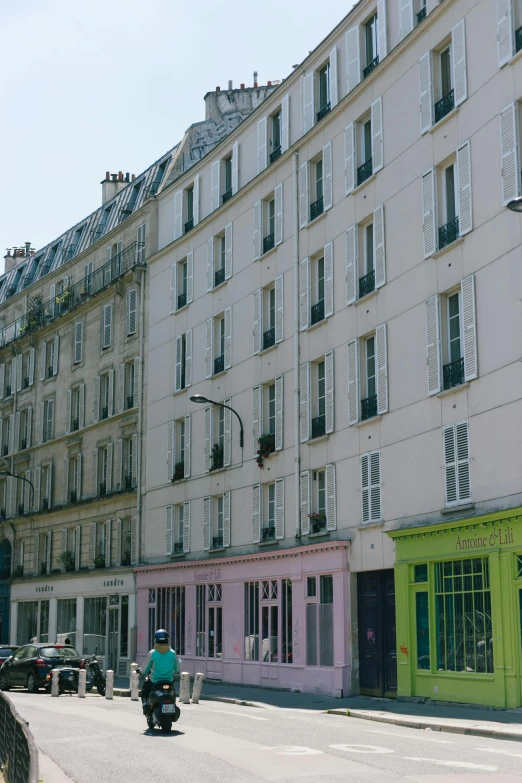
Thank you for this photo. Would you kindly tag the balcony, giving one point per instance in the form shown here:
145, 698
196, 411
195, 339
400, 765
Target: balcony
369, 408
268, 243
421, 15
317, 313
219, 277
8, 391
178, 548
369, 68
448, 233
318, 426
219, 364
50, 372
26, 383
217, 457
75, 425
367, 284
103, 489
317, 208
129, 484
189, 225
227, 195
217, 542
182, 300
73, 497
269, 338
365, 171
444, 106
130, 401
23, 444
275, 154
268, 533
453, 374
324, 111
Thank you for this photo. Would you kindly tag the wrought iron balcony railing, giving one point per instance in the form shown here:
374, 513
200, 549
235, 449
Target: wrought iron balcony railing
269, 338
448, 233
130, 401
453, 374
217, 542
365, 171
324, 111
318, 524
318, 426
367, 284
369, 407
275, 154
268, 533
268, 242
317, 208
518, 39
421, 15
104, 412
74, 496
26, 383
219, 364
317, 312
75, 425
189, 225
444, 106
219, 277
177, 548
227, 195
369, 68
182, 300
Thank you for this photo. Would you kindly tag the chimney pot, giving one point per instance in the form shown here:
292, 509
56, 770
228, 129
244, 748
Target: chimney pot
230, 84
107, 175
114, 177
255, 78
120, 176
269, 84
242, 86
133, 177
127, 177
218, 89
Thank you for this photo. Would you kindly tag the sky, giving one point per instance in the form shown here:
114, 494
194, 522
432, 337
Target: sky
110, 85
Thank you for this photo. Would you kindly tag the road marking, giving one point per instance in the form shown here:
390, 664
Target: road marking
410, 736
293, 750
362, 748
241, 714
501, 752
460, 764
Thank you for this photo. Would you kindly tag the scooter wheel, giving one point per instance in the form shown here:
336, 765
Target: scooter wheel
150, 722
166, 725
101, 689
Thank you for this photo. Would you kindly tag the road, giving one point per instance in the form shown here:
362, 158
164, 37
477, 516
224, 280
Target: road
96, 740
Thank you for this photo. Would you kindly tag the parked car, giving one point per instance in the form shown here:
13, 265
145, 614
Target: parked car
30, 666
6, 652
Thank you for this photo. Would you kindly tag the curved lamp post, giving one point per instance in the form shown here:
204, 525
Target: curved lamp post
200, 399
515, 205
20, 478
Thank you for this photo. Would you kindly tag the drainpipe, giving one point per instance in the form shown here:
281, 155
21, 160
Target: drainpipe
140, 415
297, 440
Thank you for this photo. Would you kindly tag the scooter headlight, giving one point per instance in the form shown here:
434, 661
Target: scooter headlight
166, 687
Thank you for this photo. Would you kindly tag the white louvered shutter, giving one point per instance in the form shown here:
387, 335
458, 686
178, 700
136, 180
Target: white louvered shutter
108, 481
171, 436
77, 547
134, 541
429, 213
353, 57
209, 346
228, 338
469, 327
379, 253
96, 406
119, 464
29, 427
43, 362
41, 424
78, 336
509, 153
377, 135
208, 436
257, 237
450, 465
365, 488
48, 551
134, 460
256, 513
307, 88
50, 419
107, 541
285, 123
111, 392
169, 524
179, 362
2, 379
190, 276
215, 184
505, 32
121, 388
304, 401
351, 265
132, 303
279, 413
19, 366
32, 360
188, 358
49, 485
257, 323
56, 353
375, 486
433, 344
464, 189
79, 475
334, 84
81, 405
68, 414
16, 436
382, 29
327, 176
279, 315
405, 18
227, 450
262, 144
107, 326
280, 509
279, 228
93, 529
353, 381
329, 390
210, 263
458, 56
27, 492
304, 293
207, 521
426, 92
195, 200
257, 416
382, 368
228, 251
186, 526
94, 474
305, 493
304, 194
178, 214
331, 509
328, 280
186, 452
463, 469
37, 488
235, 168
349, 158
173, 288
117, 542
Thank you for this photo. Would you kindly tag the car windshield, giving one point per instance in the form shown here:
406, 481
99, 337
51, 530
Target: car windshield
59, 652
5, 652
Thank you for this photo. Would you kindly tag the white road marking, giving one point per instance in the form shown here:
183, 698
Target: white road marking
362, 748
501, 752
241, 714
294, 750
411, 736
460, 764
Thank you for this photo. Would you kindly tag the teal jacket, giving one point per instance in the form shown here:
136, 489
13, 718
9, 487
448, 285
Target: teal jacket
163, 663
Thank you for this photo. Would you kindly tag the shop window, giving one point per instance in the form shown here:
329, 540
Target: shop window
27, 621
423, 630
311, 587
66, 621
171, 615
286, 621
421, 572
215, 622
251, 621
94, 625
319, 626
200, 620
519, 566
124, 626
43, 636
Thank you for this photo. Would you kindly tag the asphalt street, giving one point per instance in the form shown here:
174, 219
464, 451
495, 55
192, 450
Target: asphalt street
95, 740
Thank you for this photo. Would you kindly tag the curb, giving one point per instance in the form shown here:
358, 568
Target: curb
238, 702
451, 728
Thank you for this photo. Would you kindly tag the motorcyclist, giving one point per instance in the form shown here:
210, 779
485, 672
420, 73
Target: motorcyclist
161, 663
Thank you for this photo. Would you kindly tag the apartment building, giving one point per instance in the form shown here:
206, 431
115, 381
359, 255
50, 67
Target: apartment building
351, 291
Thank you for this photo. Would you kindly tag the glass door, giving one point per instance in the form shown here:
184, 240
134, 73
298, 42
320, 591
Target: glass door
112, 658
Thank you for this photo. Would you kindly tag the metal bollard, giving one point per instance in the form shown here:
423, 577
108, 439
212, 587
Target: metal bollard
133, 667
184, 688
196, 691
82, 682
134, 683
55, 688
109, 687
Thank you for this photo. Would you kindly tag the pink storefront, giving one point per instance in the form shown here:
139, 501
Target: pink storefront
275, 619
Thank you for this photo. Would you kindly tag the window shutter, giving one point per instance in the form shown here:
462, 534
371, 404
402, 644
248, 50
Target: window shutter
353, 381
195, 199
505, 36
179, 360
121, 388
178, 214
258, 229
111, 393
171, 434
365, 487
78, 340
349, 158
334, 86
280, 509
458, 56
209, 352
169, 523
257, 416
375, 486
137, 380
48, 551
215, 184
377, 135
278, 198
119, 464
49, 484
32, 359
464, 189
285, 123
29, 427
353, 59
381, 28
307, 87
210, 264
227, 450
107, 326
56, 353
469, 329
69, 412
256, 513
328, 280
379, 253
190, 276
134, 459
279, 413
226, 519
426, 92
94, 473
41, 423
27, 492
208, 436
2, 380
66, 468
207, 521
433, 344
235, 168
37, 488
186, 453
351, 264
16, 438
257, 325
79, 468
188, 358
329, 390
331, 509
132, 300
305, 492
510, 153
43, 362
382, 369
304, 194
228, 338
50, 419
429, 213
19, 361
108, 482
81, 406
173, 288
117, 542
262, 142
327, 176
77, 547
405, 18
304, 404
279, 316
96, 406
228, 251
463, 471
450, 465
304, 293
134, 541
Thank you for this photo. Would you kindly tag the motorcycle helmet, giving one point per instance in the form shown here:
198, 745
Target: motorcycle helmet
161, 637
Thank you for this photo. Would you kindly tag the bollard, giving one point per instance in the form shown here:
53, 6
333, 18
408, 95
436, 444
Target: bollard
82, 682
196, 691
109, 684
134, 683
133, 667
55, 688
184, 688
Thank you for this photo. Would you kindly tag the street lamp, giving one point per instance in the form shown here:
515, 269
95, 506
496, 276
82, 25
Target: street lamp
20, 478
515, 205
200, 399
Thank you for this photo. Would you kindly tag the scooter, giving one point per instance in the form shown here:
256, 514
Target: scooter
96, 677
161, 708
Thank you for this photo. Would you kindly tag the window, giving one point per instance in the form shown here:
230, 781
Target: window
6, 433
319, 91
106, 393
268, 316
132, 311
267, 406
215, 622
219, 258
422, 622
275, 135
251, 621
365, 257
129, 466
317, 398
456, 464
189, 223
368, 376
9, 379
78, 342
316, 288
268, 223
49, 358
171, 615
178, 449
371, 45
46, 485
216, 521
371, 486
201, 620
28, 368
227, 171
451, 181
73, 479
177, 533
140, 243
107, 326
218, 353
128, 208
318, 502
363, 145
112, 267
130, 393
324, 91
443, 77
102, 470
66, 620
218, 423
27, 623
319, 625
26, 424
268, 511
47, 422
183, 375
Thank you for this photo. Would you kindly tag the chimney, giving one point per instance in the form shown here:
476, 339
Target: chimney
230, 84
242, 86
255, 78
112, 184
27, 249
9, 260
218, 89
133, 177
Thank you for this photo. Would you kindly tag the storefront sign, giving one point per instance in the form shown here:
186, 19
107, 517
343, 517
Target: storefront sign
207, 576
44, 589
496, 538
113, 583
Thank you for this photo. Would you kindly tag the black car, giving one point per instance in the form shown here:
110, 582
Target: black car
6, 652
30, 666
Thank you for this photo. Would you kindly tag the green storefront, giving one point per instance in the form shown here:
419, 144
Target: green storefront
458, 592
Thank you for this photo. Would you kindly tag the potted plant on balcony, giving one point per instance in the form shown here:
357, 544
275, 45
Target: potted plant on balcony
317, 522
216, 459
64, 297
99, 561
179, 471
266, 447
67, 560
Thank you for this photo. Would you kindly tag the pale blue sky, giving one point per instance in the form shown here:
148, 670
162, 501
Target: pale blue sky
112, 84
